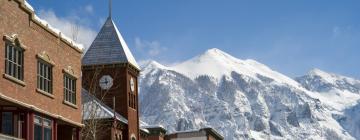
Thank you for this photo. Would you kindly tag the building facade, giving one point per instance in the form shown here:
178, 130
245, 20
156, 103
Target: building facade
40, 77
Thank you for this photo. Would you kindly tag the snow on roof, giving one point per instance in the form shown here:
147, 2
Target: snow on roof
144, 129
28, 6
129, 55
153, 126
206, 129
72, 43
109, 47
93, 108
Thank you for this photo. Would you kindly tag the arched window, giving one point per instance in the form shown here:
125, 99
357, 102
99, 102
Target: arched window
133, 137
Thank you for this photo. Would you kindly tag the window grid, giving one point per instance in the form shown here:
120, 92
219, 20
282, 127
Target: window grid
132, 100
14, 59
44, 76
70, 89
42, 128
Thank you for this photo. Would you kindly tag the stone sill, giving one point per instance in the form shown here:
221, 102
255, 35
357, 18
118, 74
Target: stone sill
7, 137
13, 79
70, 104
45, 93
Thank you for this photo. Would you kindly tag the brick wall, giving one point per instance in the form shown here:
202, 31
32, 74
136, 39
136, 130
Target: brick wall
15, 19
121, 75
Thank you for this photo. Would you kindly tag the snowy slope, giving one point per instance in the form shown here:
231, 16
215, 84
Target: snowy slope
217, 63
339, 92
245, 99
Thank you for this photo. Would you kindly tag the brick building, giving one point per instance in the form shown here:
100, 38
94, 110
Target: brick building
40, 77
110, 73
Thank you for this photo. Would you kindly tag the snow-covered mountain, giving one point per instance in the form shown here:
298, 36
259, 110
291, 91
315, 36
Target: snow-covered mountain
245, 99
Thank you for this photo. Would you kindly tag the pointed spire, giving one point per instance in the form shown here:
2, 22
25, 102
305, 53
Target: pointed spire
109, 47
110, 6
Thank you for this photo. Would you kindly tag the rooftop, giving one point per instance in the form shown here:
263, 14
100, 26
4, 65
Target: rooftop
109, 47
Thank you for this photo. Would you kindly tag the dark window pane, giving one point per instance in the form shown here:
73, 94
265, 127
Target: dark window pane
15, 55
6, 50
7, 123
37, 132
47, 133
10, 53
6, 67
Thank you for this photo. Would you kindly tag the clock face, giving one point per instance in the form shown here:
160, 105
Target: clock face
106, 82
132, 85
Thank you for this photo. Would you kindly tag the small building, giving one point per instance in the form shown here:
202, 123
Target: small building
154, 133
201, 134
40, 77
159, 133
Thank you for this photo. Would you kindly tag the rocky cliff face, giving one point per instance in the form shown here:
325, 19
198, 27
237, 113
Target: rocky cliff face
244, 99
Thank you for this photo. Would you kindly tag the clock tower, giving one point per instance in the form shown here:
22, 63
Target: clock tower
109, 71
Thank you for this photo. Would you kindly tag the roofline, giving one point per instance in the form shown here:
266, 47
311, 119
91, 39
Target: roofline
32, 18
213, 132
207, 130
104, 105
158, 127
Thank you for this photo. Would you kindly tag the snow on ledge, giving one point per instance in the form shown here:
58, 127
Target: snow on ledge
28, 6
72, 43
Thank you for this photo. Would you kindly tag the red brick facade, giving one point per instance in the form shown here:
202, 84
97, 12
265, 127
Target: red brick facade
16, 20
121, 74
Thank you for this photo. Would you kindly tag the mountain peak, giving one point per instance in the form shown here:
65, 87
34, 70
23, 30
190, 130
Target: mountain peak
152, 64
217, 63
330, 77
217, 54
316, 71
214, 51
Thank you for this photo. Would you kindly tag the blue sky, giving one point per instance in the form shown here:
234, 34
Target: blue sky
289, 36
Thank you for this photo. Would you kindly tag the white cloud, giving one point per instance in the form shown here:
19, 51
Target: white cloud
151, 48
69, 26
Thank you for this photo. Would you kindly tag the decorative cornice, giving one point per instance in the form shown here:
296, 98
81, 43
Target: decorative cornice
45, 57
70, 71
14, 40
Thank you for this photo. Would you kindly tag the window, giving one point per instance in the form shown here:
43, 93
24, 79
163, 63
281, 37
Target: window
12, 122
133, 137
14, 61
70, 89
7, 123
132, 100
44, 76
42, 128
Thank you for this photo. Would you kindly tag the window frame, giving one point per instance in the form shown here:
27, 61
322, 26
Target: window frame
41, 123
70, 91
44, 77
16, 75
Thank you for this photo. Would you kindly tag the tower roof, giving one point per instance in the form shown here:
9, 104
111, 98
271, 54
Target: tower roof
109, 47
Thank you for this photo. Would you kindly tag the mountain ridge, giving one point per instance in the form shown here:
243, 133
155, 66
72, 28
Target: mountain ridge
254, 103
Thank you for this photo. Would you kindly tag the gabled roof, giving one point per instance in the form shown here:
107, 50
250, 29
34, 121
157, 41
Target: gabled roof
109, 47
93, 108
